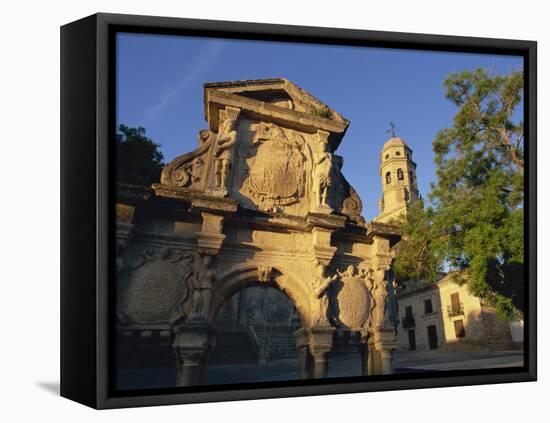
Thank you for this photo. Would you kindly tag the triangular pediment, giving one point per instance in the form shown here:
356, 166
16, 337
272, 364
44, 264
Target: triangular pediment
280, 92
275, 98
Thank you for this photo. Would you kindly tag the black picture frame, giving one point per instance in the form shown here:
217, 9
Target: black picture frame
87, 125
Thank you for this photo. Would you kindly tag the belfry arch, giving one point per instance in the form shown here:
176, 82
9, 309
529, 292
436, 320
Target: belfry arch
262, 199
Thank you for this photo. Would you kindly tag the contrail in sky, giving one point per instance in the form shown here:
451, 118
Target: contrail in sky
199, 66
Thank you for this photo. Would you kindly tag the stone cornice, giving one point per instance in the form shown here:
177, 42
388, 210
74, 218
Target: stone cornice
393, 160
132, 194
292, 90
269, 112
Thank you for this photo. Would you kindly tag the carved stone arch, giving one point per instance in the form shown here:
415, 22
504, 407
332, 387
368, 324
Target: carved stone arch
241, 276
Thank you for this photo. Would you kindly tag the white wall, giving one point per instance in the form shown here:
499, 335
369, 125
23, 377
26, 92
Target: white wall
30, 206
516, 330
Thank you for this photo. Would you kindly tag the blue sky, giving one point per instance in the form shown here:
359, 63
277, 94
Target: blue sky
160, 77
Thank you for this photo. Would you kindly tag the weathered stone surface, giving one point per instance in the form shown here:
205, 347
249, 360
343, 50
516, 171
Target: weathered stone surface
159, 284
261, 200
352, 300
270, 146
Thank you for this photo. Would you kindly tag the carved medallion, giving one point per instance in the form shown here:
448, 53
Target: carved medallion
276, 176
354, 301
159, 286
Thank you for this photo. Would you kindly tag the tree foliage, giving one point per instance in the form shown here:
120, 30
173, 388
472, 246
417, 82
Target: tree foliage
138, 159
417, 253
474, 226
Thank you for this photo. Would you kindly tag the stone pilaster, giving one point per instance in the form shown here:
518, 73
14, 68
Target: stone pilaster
322, 228
213, 211
210, 238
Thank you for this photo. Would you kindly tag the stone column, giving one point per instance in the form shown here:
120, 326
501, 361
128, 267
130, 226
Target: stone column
386, 356
320, 364
385, 313
304, 357
189, 369
371, 370
313, 346
386, 344
191, 346
366, 359
304, 360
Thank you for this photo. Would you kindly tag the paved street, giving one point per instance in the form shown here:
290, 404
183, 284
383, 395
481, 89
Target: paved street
343, 366
436, 360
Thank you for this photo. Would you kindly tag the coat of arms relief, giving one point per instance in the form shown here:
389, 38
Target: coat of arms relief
276, 167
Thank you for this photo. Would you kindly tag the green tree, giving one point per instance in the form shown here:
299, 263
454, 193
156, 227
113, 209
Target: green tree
138, 159
475, 224
416, 254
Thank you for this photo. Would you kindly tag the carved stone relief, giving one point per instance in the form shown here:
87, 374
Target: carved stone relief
159, 285
266, 155
189, 170
265, 272
275, 160
353, 302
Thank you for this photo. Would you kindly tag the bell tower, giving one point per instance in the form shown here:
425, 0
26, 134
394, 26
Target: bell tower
398, 174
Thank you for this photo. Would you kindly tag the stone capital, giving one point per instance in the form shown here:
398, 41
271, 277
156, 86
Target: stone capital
193, 339
317, 338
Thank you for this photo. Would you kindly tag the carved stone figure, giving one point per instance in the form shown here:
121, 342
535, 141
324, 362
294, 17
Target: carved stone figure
320, 298
227, 136
202, 292
322, 176
386, 302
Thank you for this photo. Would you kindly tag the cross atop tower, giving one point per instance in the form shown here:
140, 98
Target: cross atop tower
392, 129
